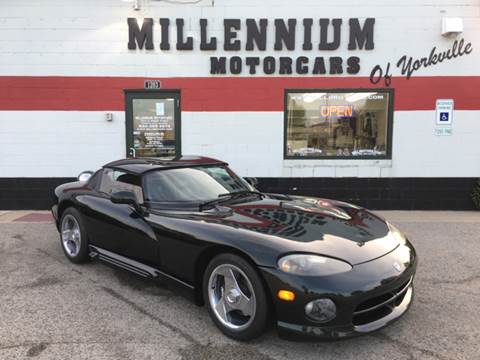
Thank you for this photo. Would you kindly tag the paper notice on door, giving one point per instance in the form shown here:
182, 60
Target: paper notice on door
160, 108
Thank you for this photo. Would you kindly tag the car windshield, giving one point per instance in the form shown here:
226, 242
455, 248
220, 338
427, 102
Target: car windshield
195, 184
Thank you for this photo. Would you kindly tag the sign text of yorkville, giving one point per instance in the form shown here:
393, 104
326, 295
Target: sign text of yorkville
360, 37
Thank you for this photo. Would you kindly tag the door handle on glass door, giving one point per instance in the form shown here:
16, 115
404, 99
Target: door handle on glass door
132, 152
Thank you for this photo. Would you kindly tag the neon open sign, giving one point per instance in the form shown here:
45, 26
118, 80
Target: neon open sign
336, 110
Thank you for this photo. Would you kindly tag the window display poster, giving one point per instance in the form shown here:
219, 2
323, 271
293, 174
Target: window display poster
154, 127
160, 108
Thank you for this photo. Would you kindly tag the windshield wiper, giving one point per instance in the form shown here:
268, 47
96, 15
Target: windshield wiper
228, 196
241, 192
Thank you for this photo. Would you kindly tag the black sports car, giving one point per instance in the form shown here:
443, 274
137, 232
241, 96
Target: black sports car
315, 267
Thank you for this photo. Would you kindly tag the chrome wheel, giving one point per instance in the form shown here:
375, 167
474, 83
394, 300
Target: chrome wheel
71, 236
231, 297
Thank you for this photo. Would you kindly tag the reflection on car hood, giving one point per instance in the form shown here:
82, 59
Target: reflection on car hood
301, 224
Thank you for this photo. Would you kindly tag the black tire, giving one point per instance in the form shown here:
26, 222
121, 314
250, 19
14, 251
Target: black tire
261, 317
82, 255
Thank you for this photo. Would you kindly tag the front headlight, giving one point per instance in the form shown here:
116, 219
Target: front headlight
312, 265
403, 252
397, 234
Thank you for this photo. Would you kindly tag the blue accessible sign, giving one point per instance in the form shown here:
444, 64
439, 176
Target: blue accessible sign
444, 113
444, 117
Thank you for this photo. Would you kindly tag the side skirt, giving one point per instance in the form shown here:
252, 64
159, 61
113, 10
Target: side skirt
143, 270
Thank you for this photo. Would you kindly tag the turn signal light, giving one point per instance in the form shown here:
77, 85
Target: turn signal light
286, 295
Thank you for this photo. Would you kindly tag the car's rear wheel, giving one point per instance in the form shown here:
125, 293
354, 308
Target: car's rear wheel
73, 236
235, 297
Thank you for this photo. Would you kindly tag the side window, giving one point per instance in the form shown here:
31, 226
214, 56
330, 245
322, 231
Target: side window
116, 180
94, 181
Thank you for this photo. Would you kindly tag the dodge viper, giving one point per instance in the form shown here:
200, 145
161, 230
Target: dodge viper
315, 268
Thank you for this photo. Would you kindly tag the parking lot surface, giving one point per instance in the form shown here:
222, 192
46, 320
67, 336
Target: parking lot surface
53, 309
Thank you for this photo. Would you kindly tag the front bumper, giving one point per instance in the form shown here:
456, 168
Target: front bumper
369, 297
292, 331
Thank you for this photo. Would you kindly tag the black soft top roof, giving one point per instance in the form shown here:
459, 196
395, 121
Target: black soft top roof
142, 165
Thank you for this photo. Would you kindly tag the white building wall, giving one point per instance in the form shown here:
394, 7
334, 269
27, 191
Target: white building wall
58, 143
89, 38
64, 143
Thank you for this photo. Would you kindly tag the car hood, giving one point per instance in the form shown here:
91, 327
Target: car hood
311, 225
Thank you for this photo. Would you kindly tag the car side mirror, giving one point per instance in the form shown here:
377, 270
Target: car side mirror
84, 175
128, 198
123, 197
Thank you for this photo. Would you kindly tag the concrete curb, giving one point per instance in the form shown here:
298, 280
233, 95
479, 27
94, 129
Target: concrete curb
26, 216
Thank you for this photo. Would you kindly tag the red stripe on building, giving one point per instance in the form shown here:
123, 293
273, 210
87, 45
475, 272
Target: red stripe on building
222, 93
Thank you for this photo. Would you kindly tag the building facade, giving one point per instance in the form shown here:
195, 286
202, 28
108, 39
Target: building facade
376, 103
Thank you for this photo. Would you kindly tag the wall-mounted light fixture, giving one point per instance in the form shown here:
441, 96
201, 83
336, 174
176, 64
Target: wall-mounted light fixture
452, 26
108, 116
136, 4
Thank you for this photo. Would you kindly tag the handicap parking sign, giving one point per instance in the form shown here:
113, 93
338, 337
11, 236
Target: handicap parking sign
444, 112
444, 116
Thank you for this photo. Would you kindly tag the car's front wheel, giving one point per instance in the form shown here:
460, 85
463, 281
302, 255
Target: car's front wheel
73, 236
235, 297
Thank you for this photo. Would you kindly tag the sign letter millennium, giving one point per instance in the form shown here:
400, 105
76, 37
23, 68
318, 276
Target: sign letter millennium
251, 35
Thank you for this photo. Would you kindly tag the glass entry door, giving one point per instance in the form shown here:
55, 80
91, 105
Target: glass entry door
152, 123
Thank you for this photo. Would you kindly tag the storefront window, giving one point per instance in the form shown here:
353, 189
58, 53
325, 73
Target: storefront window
152, 123
338, 124
154, 127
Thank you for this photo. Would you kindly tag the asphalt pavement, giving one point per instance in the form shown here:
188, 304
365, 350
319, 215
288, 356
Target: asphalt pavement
53, 309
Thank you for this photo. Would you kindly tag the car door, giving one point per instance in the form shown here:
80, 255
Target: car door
120, 228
